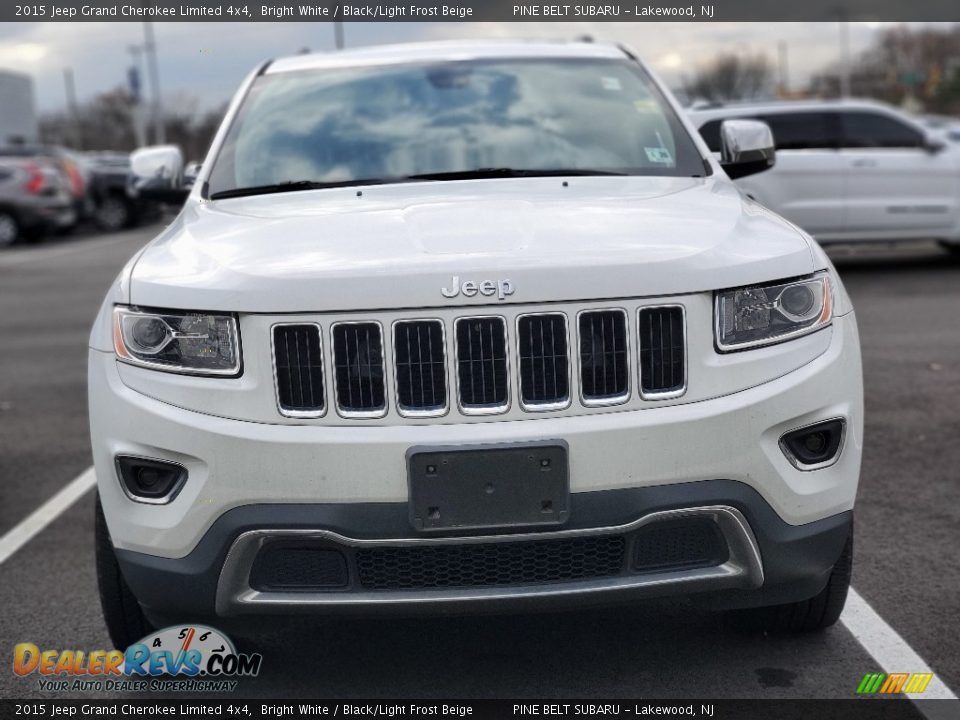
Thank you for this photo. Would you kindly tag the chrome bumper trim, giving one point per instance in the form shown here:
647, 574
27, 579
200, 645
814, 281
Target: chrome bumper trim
743, 569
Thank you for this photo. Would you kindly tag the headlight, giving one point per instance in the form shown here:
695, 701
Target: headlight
174, 341
766, 314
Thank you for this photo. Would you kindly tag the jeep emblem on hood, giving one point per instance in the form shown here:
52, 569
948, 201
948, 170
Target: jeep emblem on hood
470, 288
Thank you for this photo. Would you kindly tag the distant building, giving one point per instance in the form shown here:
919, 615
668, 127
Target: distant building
18, 112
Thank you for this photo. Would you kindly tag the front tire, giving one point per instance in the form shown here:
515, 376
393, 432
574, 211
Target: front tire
123, 615
112, 214
9, 229
813, 615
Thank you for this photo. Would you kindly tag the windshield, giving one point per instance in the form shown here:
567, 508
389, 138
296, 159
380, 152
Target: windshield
359, 125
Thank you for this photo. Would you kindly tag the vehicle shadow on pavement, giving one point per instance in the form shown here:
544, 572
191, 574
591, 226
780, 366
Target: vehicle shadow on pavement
658, 650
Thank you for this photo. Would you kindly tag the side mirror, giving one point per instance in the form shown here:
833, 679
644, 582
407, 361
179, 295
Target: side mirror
156, 173
746, 147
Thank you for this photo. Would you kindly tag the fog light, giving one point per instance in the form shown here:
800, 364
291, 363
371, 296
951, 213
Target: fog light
814, 446
150, 481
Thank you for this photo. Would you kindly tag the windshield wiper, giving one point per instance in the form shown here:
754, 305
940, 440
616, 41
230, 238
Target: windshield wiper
476, 174
508, 172
292, 186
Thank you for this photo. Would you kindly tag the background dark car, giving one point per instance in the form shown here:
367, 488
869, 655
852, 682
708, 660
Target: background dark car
65, 162
35, 198
114, 204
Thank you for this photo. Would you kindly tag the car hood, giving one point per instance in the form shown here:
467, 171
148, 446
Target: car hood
397, 246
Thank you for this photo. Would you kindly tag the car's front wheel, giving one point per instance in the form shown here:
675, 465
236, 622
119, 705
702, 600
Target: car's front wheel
112, 214
819, 612
9, 229
124, 617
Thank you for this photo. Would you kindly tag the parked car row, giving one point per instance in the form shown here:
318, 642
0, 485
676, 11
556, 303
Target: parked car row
48, 189
852, 170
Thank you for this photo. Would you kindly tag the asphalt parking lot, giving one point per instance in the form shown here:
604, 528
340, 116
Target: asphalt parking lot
907, 520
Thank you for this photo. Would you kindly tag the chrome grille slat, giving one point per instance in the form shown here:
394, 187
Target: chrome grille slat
298, 367
662, 351
420, 367
544, 362
604, 357
480, 373
481, 344
359, 372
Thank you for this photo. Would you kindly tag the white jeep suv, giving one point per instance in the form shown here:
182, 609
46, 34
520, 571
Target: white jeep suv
852, 170
459, 327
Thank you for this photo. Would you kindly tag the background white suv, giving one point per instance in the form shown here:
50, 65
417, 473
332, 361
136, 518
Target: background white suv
852, 170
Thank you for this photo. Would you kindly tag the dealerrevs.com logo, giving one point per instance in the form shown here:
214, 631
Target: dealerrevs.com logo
192, 658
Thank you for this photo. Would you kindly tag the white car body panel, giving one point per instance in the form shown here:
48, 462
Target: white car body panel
330, 250
850, 194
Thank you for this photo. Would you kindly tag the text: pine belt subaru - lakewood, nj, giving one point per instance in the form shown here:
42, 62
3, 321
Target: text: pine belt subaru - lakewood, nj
467, 327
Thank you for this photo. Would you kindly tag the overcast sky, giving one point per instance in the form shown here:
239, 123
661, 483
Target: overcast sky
206, 61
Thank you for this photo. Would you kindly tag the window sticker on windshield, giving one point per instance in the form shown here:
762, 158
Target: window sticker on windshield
611, 83
659, 155
645, 106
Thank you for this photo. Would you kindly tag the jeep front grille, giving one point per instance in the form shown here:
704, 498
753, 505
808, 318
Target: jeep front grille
482, 364
472, 364
662, 358
604, 359
418, 352
358, 362
544, 362
298, 362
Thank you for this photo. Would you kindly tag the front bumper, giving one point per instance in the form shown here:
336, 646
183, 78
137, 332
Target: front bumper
625, 466
769, 561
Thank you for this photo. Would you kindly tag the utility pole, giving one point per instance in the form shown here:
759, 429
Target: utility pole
135, 81
783, 69
338, 34
72, 107
150, 50
844, 56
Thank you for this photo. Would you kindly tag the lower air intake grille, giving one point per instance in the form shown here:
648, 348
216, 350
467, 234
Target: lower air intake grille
358, 360
542, 347
604, 370
661, 350
678, 544
299, 367
482, 363
298, 568
490, 564
421, 373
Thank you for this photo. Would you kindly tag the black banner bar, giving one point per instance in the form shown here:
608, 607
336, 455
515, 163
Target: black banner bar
894, 708
478, 10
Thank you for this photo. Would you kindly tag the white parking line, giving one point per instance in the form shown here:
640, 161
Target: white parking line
894, 655
45, 514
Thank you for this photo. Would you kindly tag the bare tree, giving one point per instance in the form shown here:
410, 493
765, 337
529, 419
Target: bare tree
106, 123
732, 76
904, 66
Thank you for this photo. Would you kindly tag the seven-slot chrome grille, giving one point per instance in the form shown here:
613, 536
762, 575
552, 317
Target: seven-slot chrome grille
476, 364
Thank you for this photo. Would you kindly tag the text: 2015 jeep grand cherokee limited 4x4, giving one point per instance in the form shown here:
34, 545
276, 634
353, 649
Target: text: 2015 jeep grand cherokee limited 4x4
463, 327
